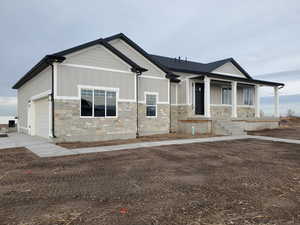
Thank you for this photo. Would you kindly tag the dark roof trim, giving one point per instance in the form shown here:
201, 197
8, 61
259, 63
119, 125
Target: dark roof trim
137, 48
59, 57
253, 81
235, 63
135, 67
39, 67
107, 46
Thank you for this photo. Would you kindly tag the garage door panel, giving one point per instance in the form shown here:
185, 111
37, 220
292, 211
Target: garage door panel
42, 118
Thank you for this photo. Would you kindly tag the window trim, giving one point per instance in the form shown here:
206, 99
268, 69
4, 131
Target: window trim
145, 97
252, 96
80, 87
222, 103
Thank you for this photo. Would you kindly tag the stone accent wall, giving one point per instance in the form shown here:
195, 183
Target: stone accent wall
70, 127
174, 118
224, 112
245, 112
154, 125
185, 111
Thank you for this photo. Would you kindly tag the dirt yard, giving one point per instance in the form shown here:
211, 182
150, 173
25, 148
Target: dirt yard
234, 183
289, 129
160, 137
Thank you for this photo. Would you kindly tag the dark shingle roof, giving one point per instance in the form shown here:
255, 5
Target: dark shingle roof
192, 67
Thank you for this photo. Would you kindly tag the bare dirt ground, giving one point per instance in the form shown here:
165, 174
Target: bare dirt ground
289, 129
160, 137
234, 183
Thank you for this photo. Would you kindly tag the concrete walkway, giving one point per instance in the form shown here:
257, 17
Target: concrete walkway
44, 148
38, 145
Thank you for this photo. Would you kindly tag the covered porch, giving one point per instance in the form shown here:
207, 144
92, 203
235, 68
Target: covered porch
216, 96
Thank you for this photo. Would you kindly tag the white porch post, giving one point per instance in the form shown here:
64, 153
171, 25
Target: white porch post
257, 101
207, 97
234, 98
276, 102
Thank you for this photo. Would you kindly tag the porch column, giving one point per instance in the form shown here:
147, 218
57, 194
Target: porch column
257, 101
207, 97
276, 102
234, 98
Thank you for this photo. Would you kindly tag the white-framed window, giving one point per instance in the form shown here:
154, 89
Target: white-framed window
98, 102
248, 96
226, 96
151, 104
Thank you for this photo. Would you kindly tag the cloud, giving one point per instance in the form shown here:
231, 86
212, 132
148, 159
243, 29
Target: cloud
8, 106
8, 101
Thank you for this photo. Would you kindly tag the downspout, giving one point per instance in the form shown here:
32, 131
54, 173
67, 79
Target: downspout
52, 102
170, 111
138, 73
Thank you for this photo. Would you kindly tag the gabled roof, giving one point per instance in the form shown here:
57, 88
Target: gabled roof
166, 64
47, 60
138, 49
195, 67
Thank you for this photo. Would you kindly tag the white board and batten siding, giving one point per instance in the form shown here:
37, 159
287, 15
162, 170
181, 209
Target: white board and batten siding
230, 70
41, 122
138, 58
39, 84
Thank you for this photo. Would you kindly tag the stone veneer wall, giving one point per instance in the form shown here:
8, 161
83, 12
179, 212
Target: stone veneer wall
245, 112
184, 112
224, 112
70, 127
174, 118
154, 125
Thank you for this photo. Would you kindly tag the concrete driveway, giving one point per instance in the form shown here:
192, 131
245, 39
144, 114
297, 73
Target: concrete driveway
15, 140
38, 145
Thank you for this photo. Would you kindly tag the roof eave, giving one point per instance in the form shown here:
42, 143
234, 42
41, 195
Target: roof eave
253, 81
40, 66
137, 48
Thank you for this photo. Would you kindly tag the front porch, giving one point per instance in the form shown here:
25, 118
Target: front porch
222, 107
226, 99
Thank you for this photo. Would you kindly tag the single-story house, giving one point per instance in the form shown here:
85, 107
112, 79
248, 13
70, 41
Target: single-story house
111, 88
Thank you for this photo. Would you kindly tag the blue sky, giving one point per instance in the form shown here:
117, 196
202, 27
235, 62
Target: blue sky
263, 36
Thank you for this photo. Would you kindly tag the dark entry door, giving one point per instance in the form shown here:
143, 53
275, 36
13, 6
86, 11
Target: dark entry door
199, 99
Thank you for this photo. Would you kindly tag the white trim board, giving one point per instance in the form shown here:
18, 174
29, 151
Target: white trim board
40, 95
95, 68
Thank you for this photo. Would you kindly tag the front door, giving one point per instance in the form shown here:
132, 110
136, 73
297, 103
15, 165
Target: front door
199, 98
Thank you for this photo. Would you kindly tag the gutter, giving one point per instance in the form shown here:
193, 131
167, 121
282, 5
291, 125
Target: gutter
170, 113
138, 73
50, 59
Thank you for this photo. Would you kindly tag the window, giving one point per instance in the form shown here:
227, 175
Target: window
151, 105
98, 103
226, 96
248, 95
86, 102
110, 103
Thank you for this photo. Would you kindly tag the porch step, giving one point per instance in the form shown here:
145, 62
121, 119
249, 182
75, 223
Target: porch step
228, 127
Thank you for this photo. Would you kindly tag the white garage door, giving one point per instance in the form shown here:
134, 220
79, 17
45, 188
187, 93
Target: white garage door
42, 117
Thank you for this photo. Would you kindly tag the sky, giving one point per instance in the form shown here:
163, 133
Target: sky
262, 35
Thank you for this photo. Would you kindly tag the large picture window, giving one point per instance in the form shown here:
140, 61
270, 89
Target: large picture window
98, 103
248, 93
151, 106
226, 96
